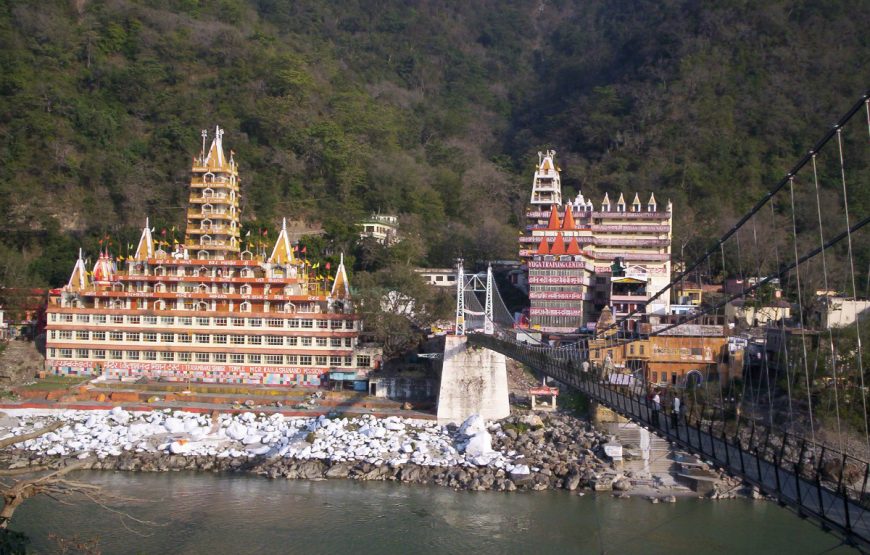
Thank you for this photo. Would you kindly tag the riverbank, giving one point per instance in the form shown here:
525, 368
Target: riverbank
523, 452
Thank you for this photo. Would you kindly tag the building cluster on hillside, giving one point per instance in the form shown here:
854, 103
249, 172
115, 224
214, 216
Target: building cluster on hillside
208, 309
582, 258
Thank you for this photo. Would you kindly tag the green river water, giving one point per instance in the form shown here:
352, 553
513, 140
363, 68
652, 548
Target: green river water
195, 513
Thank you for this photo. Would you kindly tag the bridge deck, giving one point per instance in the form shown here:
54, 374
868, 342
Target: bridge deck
803, 488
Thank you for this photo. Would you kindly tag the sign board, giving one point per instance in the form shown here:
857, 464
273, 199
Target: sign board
556, 280
535, 311
544, 390
613, 450
536, 264
557, 295
174, 367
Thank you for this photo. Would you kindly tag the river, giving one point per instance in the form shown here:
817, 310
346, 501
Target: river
195, 513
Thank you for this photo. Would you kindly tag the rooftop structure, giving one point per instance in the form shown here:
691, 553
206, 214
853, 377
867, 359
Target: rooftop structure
438, 277
383, 228
205, 310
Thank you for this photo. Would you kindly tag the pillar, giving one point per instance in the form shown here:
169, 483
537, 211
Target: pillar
473, 381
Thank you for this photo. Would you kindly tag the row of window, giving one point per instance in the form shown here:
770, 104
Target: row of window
202, 288
362, 361
187, 321
188, 271
203, 338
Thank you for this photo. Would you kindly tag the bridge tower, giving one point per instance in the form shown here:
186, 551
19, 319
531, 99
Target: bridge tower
460, 299
488, 324
473, 379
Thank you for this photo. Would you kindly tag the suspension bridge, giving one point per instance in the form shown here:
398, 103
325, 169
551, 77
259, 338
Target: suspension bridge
793, 422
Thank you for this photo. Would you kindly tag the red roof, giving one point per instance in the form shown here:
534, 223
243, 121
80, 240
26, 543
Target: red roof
573, 246
558, 245
543, 246
568, 222
554, 222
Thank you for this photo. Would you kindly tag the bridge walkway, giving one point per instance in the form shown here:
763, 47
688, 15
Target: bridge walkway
803, 487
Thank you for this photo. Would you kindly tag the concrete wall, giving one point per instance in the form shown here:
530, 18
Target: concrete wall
473, 381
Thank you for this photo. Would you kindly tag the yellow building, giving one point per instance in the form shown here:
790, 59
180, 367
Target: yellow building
208, 309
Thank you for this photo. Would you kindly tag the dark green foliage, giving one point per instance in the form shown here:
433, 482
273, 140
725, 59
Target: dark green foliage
432, 111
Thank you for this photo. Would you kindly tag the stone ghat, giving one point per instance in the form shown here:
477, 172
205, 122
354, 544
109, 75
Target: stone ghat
514, 453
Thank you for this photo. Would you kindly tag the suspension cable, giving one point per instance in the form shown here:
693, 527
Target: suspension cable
801, 310
758, 206
827, 324
854, 288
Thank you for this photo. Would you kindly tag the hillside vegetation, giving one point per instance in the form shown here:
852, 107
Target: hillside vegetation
430, 109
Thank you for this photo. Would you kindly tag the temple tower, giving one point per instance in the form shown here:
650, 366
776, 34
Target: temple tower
547, 185
213, 215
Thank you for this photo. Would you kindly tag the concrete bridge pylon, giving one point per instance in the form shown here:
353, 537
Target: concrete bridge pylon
473, 381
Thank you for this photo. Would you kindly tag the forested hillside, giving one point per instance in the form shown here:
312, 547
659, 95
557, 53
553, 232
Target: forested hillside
430, 109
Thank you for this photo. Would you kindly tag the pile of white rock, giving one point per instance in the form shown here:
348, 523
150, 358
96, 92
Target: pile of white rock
393, 440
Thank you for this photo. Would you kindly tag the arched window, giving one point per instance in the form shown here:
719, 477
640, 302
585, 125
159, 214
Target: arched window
202, 271
205, 224
202, 305
245, 307
205, 239
207, 192
245, 289
207, 208
117, 286
160, 305
289, 307
208, 177
203, 288
159, 271
202, 255
247, 255
160, 287
247, 273
118, 304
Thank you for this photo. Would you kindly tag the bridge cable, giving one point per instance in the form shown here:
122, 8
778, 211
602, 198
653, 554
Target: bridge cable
854, 288
826, 287
764, 361
783, 272
757, 207
801, 309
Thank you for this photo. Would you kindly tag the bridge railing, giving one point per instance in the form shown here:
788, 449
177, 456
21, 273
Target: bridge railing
817, 481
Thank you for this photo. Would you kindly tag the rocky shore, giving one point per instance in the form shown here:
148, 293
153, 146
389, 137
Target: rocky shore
518, 453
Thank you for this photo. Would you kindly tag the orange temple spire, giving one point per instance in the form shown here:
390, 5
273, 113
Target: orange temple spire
554, 222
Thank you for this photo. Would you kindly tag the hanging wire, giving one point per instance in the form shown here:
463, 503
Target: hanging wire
764, 361
801, 309
854, 288
830, 332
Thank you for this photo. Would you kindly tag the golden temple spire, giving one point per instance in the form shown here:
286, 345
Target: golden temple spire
78, 281
215, 158
341, 285
145, 249
283, 251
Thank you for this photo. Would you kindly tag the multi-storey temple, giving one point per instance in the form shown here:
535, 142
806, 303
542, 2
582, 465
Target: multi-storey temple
580, 259
208, 309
